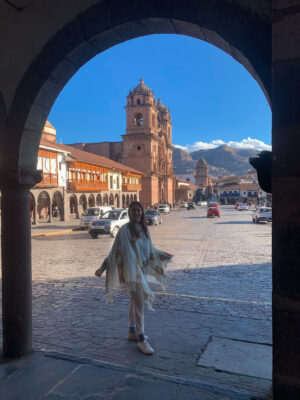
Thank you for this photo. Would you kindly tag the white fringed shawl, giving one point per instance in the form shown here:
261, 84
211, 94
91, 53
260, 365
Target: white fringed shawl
133, 261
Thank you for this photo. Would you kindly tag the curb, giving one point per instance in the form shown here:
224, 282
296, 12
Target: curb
52, 233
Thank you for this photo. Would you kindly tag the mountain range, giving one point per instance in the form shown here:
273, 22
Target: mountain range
222, 160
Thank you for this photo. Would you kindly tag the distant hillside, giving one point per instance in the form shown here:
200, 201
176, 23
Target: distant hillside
222, 160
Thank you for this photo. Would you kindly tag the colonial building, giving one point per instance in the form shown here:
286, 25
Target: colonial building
146, 146
74, 180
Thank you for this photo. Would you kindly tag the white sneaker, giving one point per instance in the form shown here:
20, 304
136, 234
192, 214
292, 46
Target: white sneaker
145, 347
135, 336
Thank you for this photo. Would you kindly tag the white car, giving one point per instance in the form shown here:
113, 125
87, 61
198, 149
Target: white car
164, 208
262, 214
184, 204
92, 214
110, 222
242, 207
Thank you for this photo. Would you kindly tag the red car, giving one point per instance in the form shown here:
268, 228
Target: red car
213, 212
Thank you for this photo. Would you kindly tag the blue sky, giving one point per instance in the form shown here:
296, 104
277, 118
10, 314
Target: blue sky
211, 97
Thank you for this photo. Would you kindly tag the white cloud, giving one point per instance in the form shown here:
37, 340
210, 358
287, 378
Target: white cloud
248, 143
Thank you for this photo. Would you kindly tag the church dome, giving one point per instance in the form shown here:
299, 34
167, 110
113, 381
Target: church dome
201, 164
141, 88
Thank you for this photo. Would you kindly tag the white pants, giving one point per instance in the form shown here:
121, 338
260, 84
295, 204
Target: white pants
136, 309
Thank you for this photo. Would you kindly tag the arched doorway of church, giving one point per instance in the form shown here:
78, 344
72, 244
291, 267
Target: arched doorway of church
58, 207
43, 206
91, 200
99, 200
82, 204
74, 207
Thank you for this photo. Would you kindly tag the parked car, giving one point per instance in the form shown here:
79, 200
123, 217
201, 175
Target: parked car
153, 217
202, 203
242, 207
262, 214
92, 214
164, 208
184, 204
110, 222
191, 206
213, 212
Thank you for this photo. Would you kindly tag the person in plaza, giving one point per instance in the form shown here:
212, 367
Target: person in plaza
132, 263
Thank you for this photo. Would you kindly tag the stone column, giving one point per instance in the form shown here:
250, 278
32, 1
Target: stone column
16, 261
286, 200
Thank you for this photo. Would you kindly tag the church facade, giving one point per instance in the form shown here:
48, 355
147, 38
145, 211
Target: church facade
146, 145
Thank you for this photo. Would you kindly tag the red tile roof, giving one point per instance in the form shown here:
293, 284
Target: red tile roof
84, 156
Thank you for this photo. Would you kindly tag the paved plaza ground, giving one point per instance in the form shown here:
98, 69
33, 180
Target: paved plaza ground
213, 318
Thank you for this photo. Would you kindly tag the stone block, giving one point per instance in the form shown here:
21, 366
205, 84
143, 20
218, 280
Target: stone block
237, 357
35, 380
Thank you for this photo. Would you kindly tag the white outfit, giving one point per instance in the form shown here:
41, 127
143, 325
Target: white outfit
131, 264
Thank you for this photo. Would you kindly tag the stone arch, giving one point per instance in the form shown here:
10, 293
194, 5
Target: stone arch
74, 206
131, 199
117, 200
111, 200
127, 200
135, 197
91, 200
99, 200
43, 206
33, 208
105, 200
58, 206
123, 200
82, 206
237, 30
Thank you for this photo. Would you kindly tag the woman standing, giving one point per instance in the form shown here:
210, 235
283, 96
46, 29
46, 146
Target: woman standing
130, 265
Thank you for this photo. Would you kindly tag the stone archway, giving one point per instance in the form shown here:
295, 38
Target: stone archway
91, 200
242, 29
58, 206
123, 200
43, 206
82, 204
74, 206
117, 201
111, 200
33, 208
127, 200
105, 200
99, 200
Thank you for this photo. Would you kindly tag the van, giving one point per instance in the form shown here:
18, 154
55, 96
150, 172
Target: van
92, 214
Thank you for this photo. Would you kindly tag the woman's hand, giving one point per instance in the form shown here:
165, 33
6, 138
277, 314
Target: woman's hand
99, 272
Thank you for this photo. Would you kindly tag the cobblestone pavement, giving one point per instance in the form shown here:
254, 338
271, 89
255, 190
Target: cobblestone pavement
219, 285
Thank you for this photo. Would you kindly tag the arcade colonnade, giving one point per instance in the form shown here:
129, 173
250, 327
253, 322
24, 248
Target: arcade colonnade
48, 205
44, 42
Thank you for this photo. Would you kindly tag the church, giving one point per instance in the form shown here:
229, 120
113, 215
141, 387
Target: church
146, 145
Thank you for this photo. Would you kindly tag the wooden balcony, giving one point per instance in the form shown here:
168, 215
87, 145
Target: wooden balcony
49, 180
128, 187
87, 186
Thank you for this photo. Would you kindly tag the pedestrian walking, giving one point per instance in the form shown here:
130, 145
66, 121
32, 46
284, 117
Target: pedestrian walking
132, 263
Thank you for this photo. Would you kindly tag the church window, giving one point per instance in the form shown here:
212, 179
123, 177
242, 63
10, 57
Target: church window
139, 120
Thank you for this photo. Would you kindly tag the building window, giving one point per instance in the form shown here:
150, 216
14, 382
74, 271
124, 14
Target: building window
139, 120
111, 182
138, 102
59, 166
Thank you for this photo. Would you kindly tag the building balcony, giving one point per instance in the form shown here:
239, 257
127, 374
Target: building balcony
49, 180
86, 186
128, 187
229, 194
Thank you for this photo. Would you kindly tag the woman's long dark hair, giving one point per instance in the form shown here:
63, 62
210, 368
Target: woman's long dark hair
142, 221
